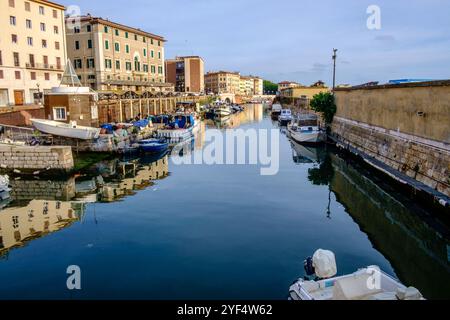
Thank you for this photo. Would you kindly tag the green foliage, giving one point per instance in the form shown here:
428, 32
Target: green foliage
323, 175
270, 87
324, 104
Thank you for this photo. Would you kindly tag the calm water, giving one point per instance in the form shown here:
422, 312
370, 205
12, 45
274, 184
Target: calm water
155, 230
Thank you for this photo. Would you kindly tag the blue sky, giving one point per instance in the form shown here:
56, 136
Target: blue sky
293, 39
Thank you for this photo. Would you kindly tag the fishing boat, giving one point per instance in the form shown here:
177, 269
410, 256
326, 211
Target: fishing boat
305, 129
368, 283
285, 117
69, 130
181, 128
276, 111
154, 145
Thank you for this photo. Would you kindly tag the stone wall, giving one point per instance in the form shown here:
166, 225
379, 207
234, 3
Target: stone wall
27, 158
44, 190
405, 127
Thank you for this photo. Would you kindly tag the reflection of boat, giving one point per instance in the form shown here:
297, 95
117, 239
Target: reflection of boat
305, 129
153, 145
4, 188
276, 111
222, 111
306, 154
365, 284
285, 117
65, 129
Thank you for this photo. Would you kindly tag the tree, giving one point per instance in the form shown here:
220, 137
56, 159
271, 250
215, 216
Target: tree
324, 104
270, 87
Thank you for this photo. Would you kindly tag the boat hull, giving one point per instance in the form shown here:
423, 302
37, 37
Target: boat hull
307, 137
151, 146
65, 130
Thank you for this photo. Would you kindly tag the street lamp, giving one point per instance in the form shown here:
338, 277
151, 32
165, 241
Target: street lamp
334, 67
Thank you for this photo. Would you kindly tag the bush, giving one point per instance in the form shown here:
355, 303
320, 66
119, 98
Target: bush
324, 104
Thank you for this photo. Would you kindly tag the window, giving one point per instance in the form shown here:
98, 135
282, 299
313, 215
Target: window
127, 48
91, 77
153, 69
78, 64
55, 14
77, 45
43, 27
145, 52
18, 75
30, 41
33, 75
12, 20
159, 55
1, 74
76, 30
145, 67
57, 45
152, 54
44, 43
136, 37
41, 10
151, 41
106, 29
27, 6
29, 24
58, 63
47, 76
16, 59
1, 58
137, 64
55, 30
159, 43
59, 76
118, 64
106, 44
144, 39
31, 60
126, 35
45, 58
88, 28
108, 64
117, 47
90, 63
117, 32
160, 70
12, 3
89, 44
59, 113
128, 66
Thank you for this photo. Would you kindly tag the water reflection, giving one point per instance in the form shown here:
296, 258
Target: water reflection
402, 231
251, 114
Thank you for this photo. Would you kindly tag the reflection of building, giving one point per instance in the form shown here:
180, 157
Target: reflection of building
110, 56
33, 49
42, 189
39, 218
187, 74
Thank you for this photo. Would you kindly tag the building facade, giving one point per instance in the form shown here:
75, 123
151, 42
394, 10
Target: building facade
287, 84
32, 49
109, 56
258, 86
187, 74
222, 82
301, 95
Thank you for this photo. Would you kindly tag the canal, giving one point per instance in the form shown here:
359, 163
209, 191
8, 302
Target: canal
151, 229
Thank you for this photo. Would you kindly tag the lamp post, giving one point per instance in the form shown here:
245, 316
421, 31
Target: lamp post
334, 68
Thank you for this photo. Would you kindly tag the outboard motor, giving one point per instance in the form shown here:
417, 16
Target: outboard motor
309, 267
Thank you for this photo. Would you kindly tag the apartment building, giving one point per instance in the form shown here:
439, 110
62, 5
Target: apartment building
187, 74
258, 86
246, 86
222, 82
302, 95
109, 56
287, 84
32, 49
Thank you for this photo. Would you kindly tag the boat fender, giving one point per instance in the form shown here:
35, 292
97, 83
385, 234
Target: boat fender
309, 267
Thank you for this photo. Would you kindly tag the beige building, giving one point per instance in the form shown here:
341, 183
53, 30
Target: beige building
222, 82
187, 74
32, 49
246, 86
302, 95
258, 84
287, 84
109, 56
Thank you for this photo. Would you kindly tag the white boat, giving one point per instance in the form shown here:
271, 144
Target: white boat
222, 111
180, 130
70, 130
365, 284
305, 129
285, 117
276, 111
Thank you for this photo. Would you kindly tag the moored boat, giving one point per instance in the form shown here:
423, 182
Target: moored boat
153, 145
222, 111
276, 111
285, 117
71, 130
182, 128
305, 129
368, 283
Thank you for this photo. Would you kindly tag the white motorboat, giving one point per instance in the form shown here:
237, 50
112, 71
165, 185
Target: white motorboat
70, 130
184, 127
285, 117
305, 129
365, 284
276, 111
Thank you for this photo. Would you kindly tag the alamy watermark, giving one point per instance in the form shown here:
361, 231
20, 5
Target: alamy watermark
374, 19
235, 147
74, 280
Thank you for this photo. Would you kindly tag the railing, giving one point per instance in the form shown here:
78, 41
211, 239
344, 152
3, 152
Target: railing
20, 135
44, 66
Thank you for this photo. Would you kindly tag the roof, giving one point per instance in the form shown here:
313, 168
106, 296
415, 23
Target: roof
287, 82
51, 4
227, 72
99, 20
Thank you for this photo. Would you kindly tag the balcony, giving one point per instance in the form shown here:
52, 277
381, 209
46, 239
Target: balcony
44, 66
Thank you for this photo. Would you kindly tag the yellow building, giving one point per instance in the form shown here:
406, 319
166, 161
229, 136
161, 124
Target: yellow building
287, 84
222, 82
32, 49
258, 86
302, 95
109, 56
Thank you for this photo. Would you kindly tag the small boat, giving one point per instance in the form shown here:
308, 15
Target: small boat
182, 128
369, 283
276, 111
285, 117
222, 111
154, 145
305, 129
62, 129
